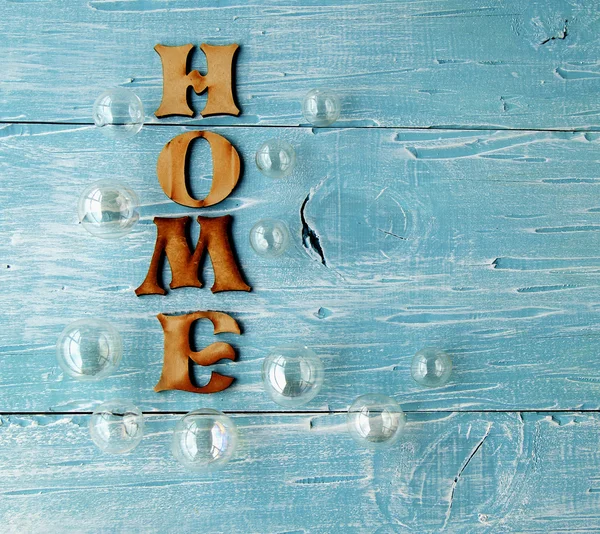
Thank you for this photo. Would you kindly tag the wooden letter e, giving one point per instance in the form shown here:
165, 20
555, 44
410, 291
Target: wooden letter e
178, 353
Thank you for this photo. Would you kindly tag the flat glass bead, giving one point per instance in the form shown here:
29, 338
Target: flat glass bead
204, 440
276, 158
375, 421
117, 426
431, 367
108, 209
269, 238
89, 349
321, 107
118, 113
292, 375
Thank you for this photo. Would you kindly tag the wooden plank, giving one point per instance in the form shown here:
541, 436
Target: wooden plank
484, 243
454, 63
510, 472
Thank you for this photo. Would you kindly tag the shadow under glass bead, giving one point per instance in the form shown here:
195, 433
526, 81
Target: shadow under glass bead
292, 375
89, 349
276, 158
431, 367
108, 209
118, 113
269, 238
204, 440
117, 426
375, 421
321, 107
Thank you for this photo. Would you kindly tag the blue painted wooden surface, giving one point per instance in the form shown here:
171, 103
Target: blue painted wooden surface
452, 472
479, 235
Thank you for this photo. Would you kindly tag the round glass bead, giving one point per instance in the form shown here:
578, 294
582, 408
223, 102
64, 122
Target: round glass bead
431, 367
204, 440
321, 107
117, 426
375, 421
269, 238
292, 375
276, 158
118, 113
108, 209
89, 349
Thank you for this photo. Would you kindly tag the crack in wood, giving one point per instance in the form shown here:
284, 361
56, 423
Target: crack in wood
460, 472
561, 36
391, 234
310, 239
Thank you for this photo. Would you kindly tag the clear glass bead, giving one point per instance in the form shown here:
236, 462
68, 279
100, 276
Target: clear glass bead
276, 158
269, 238
431, 367
89, 349
292, 375
118, 113
321, 107
204, 440
108, 209
375, 421
117, 426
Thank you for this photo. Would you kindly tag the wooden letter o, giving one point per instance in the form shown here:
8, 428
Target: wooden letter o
171, 169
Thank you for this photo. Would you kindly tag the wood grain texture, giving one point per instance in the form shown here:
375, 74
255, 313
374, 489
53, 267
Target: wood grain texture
451, 472
478, 235
449, 63
483, 243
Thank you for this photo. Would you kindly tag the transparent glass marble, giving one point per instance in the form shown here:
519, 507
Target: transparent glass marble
269, 238
204, 440
431, 367
89, 349
117, 426
321, 107
292, 375
375, 421
276, 158
118, 113
108, 209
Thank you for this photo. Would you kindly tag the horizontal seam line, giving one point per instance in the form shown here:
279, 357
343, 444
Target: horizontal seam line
315, 412
341, 127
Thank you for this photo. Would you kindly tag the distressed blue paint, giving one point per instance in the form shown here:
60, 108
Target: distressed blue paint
401, 63
452, 472
480, 236
494, 259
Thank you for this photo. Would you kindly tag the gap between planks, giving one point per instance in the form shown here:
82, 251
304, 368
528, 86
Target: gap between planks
316, 412
457, 127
